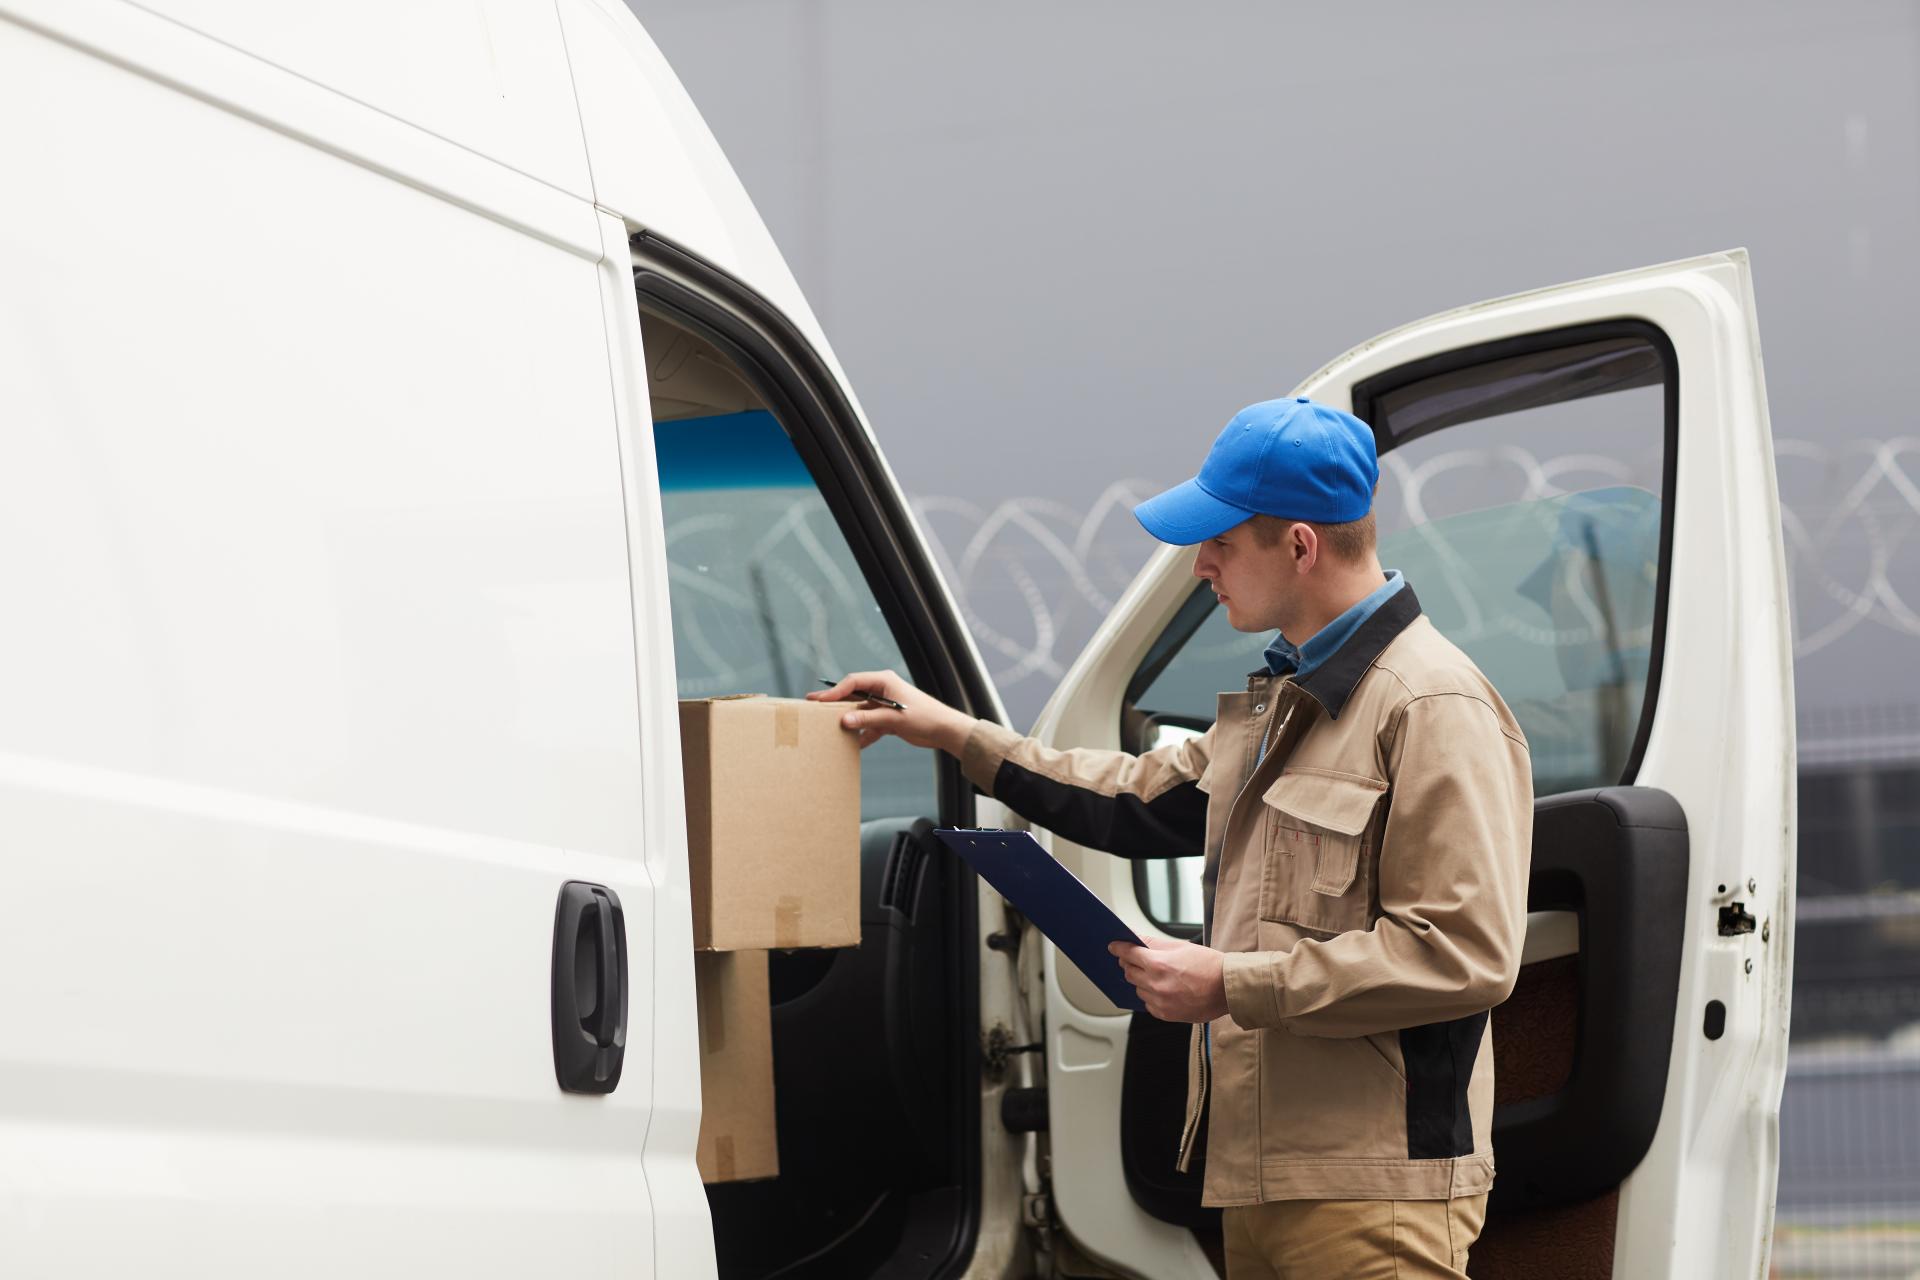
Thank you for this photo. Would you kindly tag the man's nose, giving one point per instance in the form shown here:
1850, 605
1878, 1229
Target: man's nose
1202, 568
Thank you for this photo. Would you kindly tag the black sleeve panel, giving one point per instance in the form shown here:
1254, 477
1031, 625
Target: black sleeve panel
1172, 825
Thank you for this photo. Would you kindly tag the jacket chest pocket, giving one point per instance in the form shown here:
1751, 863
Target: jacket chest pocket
1317, 867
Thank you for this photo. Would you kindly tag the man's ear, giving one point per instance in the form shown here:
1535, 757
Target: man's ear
1304, 545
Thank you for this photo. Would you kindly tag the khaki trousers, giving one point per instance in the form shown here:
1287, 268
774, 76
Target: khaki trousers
1352, 1239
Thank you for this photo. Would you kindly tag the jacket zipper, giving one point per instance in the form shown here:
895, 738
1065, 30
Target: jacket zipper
1203, 1064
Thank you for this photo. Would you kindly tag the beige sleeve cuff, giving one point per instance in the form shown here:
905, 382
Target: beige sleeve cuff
987, 746
1253, 989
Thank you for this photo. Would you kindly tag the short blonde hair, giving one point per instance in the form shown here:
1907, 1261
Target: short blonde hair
1351, 541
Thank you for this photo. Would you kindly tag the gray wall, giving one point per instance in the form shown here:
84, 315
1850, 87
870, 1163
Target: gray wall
1057, 245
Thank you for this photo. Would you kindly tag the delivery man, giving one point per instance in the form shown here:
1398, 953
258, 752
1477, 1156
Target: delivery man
1365, 808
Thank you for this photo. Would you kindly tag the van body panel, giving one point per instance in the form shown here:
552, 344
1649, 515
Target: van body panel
322, 682
487, 75
199, 67
656, 163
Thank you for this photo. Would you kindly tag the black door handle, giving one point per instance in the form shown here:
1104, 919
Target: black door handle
589, 988
610, 1014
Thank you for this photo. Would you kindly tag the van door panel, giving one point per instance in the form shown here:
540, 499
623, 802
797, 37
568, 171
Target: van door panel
1617, 859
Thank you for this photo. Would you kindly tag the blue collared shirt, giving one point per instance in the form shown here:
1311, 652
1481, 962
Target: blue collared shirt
1285, 658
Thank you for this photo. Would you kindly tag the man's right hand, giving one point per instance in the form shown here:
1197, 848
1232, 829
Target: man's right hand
926, 722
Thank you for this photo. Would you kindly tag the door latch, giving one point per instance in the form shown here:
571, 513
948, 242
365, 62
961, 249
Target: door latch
1735, 920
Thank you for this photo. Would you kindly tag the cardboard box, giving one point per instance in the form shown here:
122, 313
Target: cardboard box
773, 823
737, 1139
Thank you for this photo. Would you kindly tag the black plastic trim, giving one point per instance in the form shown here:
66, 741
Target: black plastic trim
1153, 1115
807, 399
1616, 857
1369, 390
1024, 1110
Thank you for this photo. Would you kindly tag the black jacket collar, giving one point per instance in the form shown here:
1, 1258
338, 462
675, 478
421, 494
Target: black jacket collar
1332, 682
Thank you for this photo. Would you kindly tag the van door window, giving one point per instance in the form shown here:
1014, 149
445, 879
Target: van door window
766, 594
1521, 495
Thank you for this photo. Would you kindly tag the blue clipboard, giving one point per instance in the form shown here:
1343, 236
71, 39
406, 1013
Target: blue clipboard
1054, 899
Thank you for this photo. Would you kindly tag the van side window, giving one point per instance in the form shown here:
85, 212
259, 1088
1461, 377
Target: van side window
1521, 495
766, 594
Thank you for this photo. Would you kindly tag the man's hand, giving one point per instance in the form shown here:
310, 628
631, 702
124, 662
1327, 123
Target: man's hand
925, 722
1179, 981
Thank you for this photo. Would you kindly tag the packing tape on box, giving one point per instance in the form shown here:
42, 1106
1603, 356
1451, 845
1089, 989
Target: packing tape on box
786, 922
786, 726
713, 1013
723, 1158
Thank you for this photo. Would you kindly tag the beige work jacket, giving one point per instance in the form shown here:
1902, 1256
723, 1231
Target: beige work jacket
1367, 879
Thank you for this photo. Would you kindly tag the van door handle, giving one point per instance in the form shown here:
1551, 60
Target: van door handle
589, 988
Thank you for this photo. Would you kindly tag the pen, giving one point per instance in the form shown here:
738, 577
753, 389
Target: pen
870, 697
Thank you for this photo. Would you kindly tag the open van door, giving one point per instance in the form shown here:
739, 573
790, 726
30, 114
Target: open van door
1579, 482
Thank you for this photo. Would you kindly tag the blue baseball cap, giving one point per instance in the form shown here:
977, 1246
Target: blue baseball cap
1296, 459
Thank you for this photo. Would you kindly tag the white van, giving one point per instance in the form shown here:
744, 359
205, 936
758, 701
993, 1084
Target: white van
404, 406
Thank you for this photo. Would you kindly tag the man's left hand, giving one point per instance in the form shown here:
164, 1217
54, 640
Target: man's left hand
1179, 981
